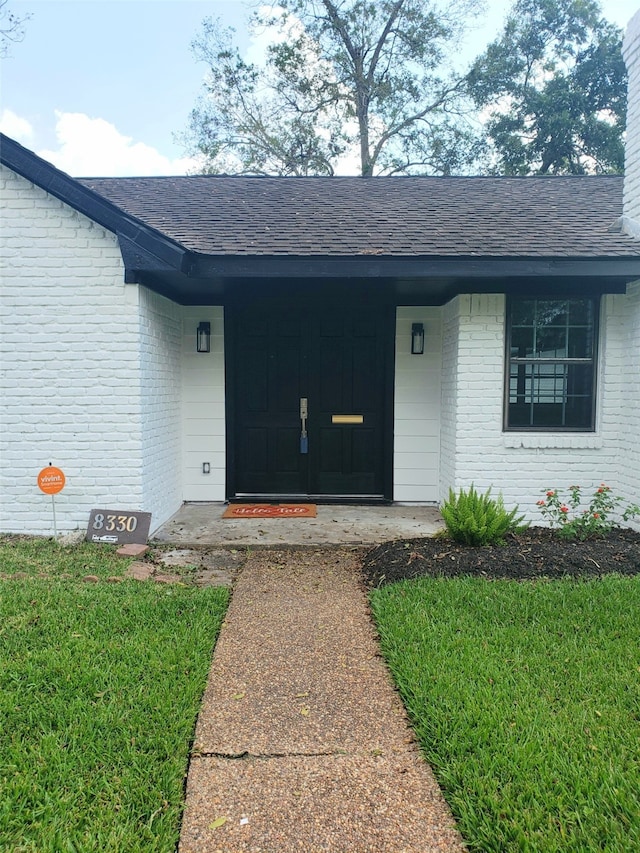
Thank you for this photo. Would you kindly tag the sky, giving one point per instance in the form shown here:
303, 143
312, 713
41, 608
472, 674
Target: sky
105, 87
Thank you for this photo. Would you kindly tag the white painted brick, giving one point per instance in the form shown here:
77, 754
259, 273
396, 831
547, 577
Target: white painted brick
159, 332
521, 465
631, 53
626, 417
71, 365
102, 379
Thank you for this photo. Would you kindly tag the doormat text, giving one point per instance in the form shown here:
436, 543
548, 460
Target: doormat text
270, 511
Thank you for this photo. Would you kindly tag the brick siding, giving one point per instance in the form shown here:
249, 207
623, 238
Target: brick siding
522, 464
631, 53
87, 374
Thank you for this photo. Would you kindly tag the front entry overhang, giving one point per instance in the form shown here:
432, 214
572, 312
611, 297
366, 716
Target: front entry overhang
188, 277
202, 280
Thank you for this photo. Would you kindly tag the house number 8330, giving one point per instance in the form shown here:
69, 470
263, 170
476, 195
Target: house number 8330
119, 523
118, 526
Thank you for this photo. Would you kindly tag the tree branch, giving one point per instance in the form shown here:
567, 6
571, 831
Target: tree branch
412, 119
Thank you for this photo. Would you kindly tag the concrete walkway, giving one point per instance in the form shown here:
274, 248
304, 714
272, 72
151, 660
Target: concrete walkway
302, 743
202, 524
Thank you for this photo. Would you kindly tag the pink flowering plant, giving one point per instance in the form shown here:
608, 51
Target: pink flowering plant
568, 519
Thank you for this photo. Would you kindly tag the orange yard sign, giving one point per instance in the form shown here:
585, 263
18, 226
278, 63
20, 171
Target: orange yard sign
51, 480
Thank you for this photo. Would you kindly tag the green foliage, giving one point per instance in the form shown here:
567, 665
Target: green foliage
524, 698
478, 519
554, 84
348, 81
100, 685
598, 519
373, 80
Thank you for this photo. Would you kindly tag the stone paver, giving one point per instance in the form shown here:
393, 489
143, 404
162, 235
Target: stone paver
302, 742
159, 577
139, 571
132, 549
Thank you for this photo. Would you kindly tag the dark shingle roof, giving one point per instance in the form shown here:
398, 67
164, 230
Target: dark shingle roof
402, 216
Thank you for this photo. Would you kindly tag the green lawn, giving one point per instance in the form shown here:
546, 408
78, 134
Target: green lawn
100, 685
525, 698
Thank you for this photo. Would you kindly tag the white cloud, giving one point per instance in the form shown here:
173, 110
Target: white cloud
15, 126
95, 147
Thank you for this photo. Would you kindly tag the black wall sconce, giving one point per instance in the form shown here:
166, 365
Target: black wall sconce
203, 337
417, 338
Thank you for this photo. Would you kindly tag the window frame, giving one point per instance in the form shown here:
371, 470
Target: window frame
509, 360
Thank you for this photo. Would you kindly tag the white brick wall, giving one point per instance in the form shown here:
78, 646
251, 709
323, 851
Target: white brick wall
631, 53
630, 351
417, 408
161, 398
521, 465
472, 387
629, 458
68, 364
102, 379
449, 421
203, 409
90, 371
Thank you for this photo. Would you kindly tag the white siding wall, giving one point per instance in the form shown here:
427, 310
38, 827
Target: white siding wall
522, 464
203, 411
160, 390
631, 52
69, 364
417, 408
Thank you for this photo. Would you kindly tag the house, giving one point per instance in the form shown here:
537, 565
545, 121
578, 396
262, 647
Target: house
168, 340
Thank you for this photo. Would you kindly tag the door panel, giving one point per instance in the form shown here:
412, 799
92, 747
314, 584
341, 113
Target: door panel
349, 361
269, 363
337, 357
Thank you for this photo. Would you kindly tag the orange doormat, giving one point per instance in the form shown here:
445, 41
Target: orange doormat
270, 511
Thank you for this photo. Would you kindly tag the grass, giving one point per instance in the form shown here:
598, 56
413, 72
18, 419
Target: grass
525, 698
100, 685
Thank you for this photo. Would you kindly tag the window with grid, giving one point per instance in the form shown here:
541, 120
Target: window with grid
551, 357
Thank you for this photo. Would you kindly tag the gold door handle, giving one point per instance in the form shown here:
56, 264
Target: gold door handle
304, 410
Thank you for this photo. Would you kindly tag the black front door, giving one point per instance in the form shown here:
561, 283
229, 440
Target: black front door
335, 361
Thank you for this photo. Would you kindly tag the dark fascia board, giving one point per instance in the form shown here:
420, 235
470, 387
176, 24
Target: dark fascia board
424, 267
138, 261
147, 251
151, 243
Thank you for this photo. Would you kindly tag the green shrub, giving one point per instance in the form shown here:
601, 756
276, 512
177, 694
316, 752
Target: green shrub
475, 519
598, 519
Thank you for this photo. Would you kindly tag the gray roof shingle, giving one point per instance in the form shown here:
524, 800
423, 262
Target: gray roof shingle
401, 216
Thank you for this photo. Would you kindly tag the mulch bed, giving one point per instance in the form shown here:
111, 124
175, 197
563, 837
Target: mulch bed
536, 553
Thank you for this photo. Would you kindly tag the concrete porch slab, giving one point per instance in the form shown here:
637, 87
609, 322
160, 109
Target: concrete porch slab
202, 524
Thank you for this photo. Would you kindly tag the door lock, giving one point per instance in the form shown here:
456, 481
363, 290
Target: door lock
304, 440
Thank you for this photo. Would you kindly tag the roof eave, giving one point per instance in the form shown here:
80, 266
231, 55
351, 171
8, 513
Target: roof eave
403, 266
151, 243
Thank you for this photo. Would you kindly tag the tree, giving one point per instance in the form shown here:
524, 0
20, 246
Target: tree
370, 76
553, 86
11, 27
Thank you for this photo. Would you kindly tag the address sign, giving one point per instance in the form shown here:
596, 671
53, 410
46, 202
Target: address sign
118, 527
